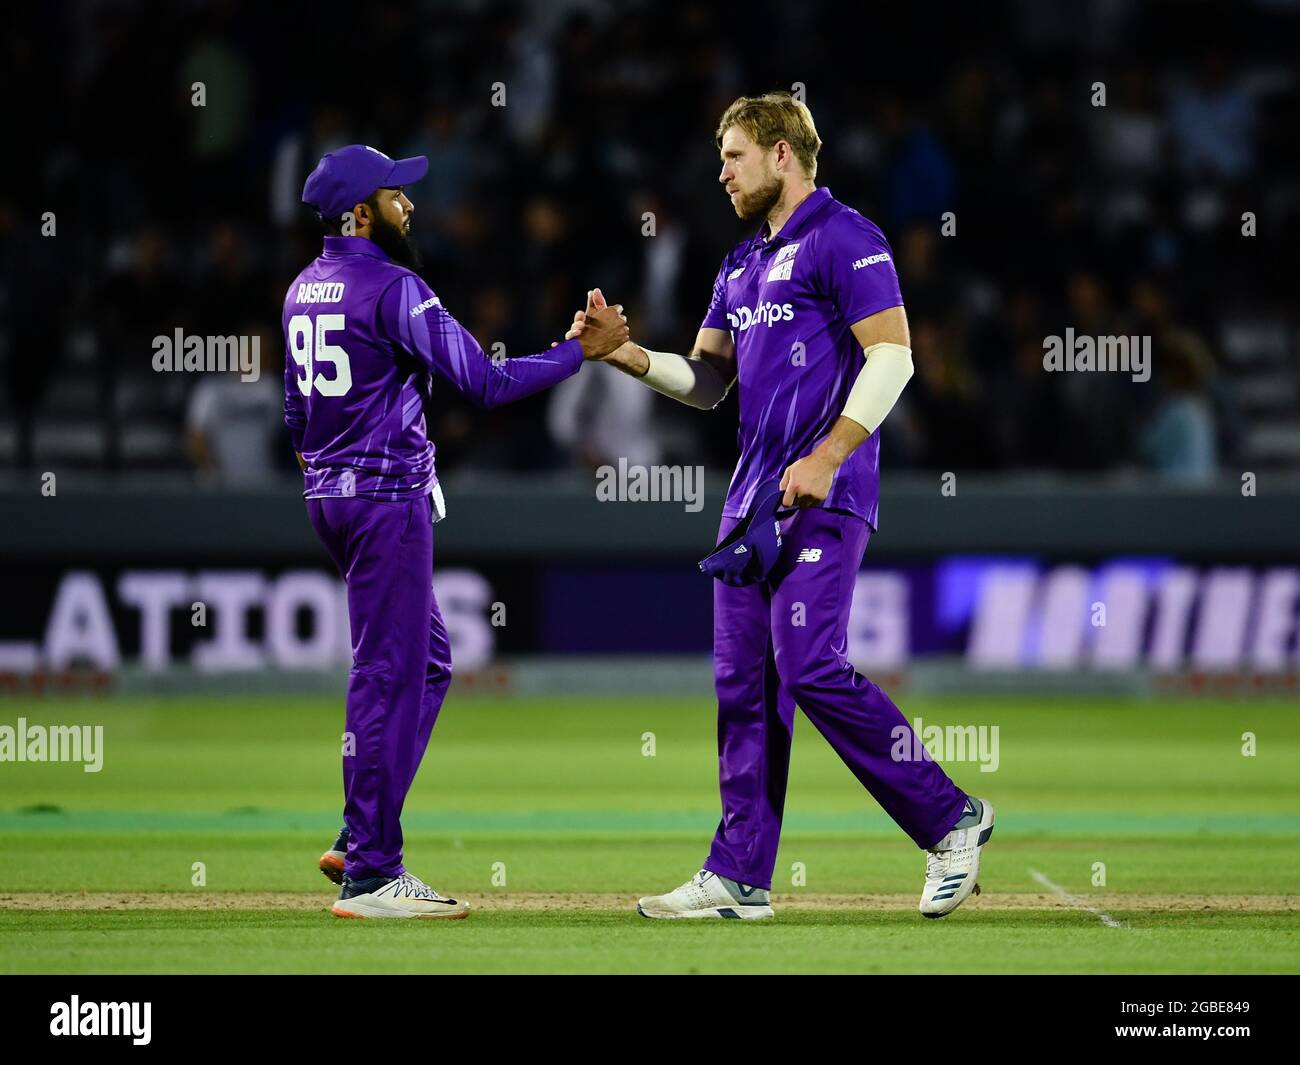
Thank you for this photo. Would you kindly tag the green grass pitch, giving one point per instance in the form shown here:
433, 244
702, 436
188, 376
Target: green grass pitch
556, 797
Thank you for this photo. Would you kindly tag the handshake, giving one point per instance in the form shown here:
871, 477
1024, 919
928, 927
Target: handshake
600, 329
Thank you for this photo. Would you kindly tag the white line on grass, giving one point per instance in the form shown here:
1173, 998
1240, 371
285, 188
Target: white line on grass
1074, 900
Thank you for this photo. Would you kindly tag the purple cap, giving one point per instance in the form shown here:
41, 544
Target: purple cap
346, 177
750, 551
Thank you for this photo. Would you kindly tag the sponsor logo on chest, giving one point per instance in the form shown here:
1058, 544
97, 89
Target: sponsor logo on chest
764, 314
783, 264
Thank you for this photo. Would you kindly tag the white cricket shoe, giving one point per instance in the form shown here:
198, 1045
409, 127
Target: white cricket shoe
952, 868
407, 896
708, 895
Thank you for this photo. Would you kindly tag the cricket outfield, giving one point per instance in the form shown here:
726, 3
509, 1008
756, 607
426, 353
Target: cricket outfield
1132, 837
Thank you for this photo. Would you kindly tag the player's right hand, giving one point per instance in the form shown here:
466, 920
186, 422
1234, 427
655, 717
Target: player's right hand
603, 330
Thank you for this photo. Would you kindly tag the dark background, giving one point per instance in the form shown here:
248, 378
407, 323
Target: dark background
1125, 219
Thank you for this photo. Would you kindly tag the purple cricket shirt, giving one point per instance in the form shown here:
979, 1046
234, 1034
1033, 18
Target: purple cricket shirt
367, 343
789, 304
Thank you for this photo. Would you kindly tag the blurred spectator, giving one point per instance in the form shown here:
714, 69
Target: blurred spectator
296, 155
450, 152
232, 426
1178, 441
1124, 219
1213, 119
230, 284
955, 427
1130, 131
1097, 407
920, 184
602, 415
931, 292
31, 312
220, 73
1181, 343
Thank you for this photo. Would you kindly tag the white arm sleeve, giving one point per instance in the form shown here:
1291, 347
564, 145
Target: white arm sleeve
692, 381
879, 384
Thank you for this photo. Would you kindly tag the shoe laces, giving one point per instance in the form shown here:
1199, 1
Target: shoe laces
412, 887
694, 887
936, 865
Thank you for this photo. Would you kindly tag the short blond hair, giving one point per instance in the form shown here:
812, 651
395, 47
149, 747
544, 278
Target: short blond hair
772, 117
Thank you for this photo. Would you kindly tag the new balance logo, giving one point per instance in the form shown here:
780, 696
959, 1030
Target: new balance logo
742, 549
735, 273
810, 554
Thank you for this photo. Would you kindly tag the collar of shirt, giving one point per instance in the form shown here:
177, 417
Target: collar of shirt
813, 202
354, 246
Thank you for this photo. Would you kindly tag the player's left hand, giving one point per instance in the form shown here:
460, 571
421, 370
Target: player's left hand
595, 300
579, 322
807, 482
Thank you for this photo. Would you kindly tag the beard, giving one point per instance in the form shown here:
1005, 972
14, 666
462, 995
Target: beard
397, 245
759, 203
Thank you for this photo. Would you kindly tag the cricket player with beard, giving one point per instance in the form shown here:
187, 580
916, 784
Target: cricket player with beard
795, 310
368, 345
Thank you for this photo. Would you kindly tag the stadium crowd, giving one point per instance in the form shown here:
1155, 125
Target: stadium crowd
560, 134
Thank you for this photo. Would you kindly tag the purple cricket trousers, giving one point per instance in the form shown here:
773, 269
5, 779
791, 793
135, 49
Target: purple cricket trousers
781, 643
401, 664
